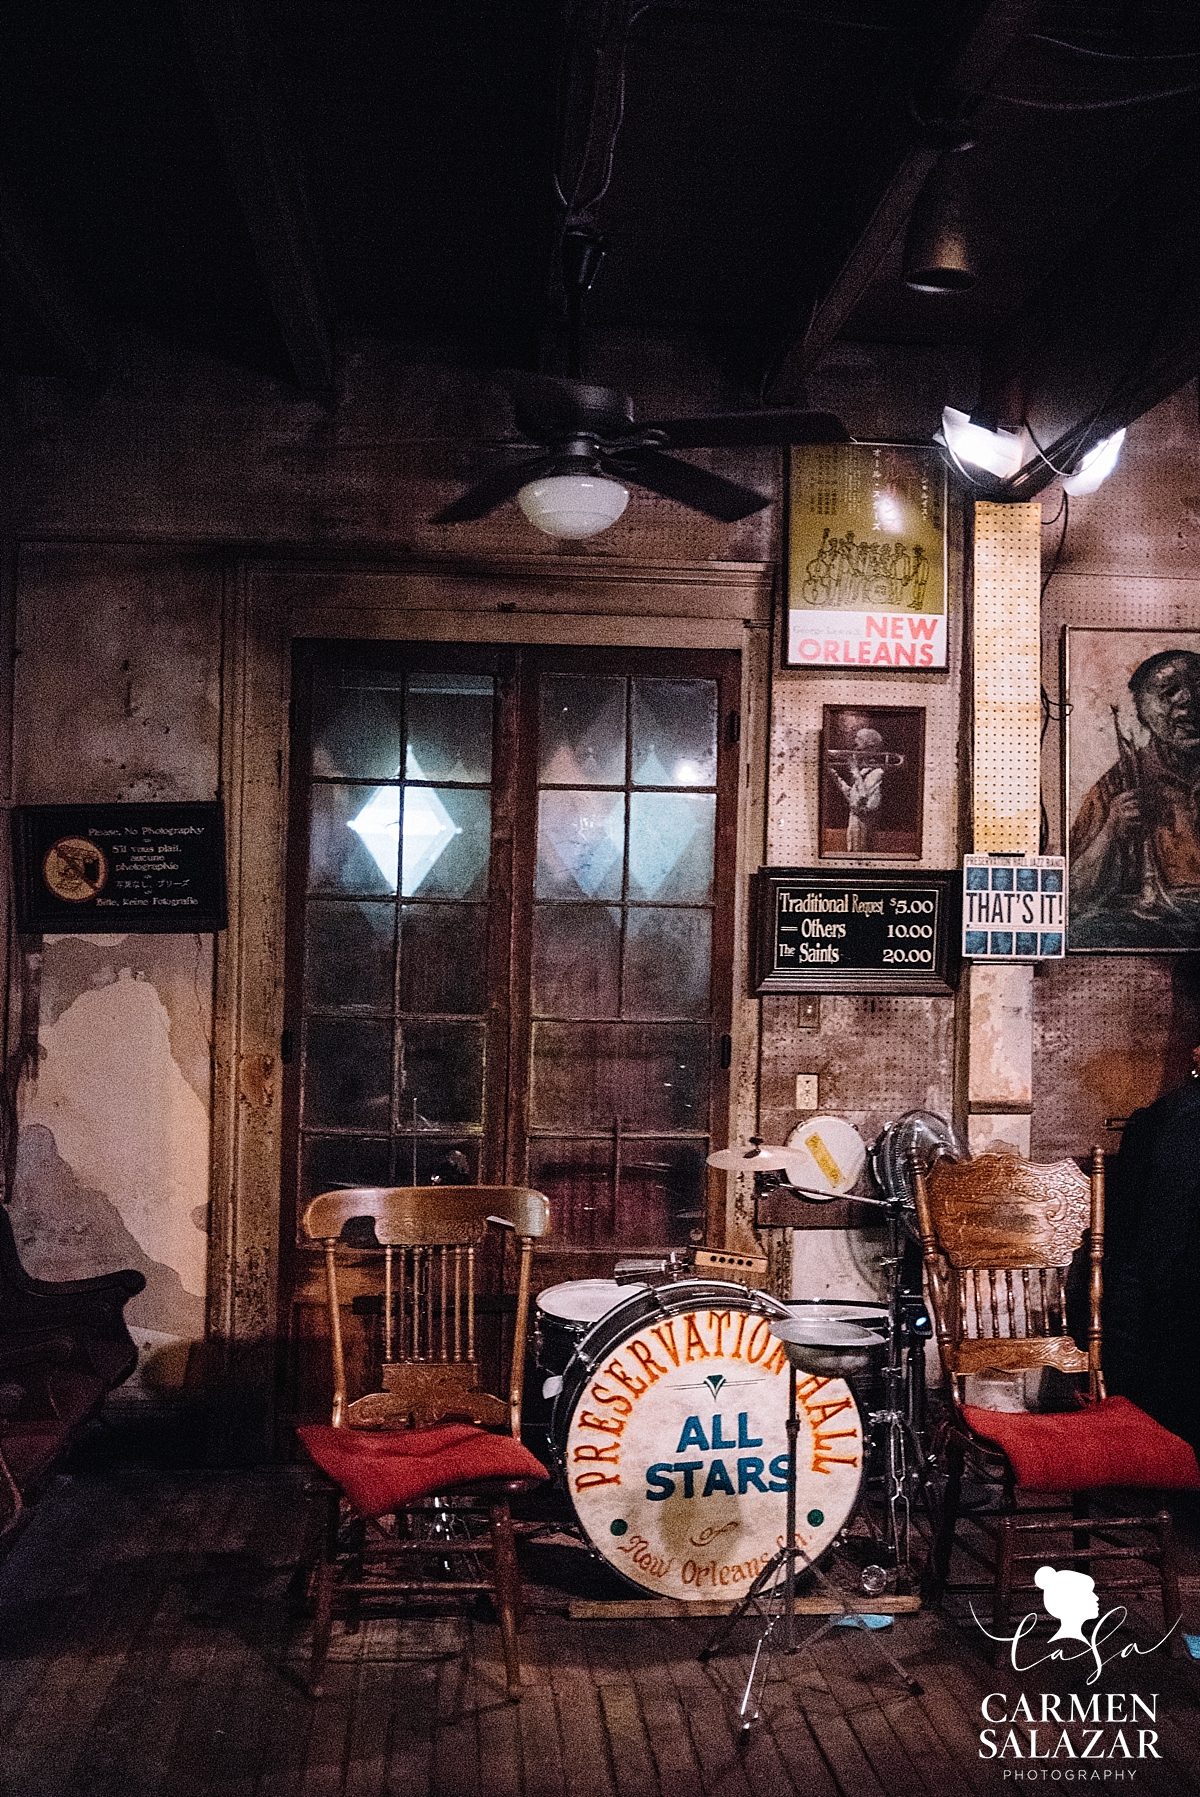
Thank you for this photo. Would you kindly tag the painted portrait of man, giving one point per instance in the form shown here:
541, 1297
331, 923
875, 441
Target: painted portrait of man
1135, 830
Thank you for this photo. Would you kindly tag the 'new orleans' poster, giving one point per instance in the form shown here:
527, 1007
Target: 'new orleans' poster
866, 557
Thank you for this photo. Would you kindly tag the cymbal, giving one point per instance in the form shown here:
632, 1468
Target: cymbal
761, 1159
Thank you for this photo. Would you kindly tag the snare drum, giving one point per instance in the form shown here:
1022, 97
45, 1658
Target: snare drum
670, 1432
564, 1314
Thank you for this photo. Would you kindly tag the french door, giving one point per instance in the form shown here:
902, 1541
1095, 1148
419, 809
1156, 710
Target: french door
509, 931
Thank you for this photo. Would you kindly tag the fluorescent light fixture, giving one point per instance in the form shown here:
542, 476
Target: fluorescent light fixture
573, 505
1096, 465
1001, 453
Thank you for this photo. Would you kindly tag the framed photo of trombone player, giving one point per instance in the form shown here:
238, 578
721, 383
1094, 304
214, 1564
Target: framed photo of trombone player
872, 782
1131, 775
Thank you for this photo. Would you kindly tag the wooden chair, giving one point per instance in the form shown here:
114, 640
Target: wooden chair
999, 1235
416, 1449
64, 1345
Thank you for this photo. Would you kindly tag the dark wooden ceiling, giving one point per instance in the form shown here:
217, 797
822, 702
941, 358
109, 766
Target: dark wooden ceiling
263, 179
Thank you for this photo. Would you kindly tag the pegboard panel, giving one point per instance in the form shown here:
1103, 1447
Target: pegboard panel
876, 1058
795, 759
1007, 673
1110, 1033
1145, 519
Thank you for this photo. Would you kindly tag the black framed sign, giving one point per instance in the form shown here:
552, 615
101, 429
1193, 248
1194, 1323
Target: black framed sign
88, 869
817, 930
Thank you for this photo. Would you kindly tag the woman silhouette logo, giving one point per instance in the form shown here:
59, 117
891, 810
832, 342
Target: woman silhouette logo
1070, 1598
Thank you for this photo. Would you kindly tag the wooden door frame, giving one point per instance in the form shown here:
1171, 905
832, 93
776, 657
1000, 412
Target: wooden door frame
269, 603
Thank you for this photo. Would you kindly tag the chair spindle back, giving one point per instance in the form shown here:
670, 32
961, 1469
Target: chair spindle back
999, 1234
430, 1237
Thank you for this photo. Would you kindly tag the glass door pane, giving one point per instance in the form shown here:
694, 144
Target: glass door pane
625, 1014
390, 1000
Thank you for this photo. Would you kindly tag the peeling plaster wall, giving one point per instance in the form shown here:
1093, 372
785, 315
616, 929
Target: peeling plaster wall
1112, 1032
116, 698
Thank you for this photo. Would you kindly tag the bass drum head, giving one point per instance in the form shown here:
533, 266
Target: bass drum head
671, 1432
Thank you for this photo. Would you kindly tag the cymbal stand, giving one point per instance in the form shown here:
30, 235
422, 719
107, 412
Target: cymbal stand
764, 1597
905, 1465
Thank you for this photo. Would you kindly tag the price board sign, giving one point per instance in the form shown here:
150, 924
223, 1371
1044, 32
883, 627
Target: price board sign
857, 931
88, 869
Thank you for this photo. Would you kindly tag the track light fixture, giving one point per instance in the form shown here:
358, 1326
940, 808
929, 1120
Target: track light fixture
1096, 465
938, 255
973, 445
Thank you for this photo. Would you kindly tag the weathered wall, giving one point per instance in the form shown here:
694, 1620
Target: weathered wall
116, 698
133, 501
1112, 1032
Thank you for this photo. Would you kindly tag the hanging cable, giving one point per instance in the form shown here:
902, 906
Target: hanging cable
1062, 473
1053, 710
1039, 37
1167, 93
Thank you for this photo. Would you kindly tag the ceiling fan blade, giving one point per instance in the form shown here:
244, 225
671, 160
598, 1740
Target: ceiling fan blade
694, 487
744, 430
488, 494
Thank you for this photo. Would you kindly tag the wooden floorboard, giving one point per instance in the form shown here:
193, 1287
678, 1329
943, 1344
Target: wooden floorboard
151, 1646
587, 1758
500, 1747
125, 1592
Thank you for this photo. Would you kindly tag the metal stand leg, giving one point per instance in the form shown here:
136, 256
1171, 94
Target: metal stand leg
763, 1596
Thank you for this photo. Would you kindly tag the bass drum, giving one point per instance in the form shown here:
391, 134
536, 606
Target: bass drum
670, 1430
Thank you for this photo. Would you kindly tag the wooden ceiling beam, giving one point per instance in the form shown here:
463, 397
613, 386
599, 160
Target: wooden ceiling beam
231, 52
76, 344
1116, 328
1003, 24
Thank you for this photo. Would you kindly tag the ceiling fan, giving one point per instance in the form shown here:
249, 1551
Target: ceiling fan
588, 445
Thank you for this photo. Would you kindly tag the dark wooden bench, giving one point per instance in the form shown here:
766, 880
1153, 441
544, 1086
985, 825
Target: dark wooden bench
64, 1345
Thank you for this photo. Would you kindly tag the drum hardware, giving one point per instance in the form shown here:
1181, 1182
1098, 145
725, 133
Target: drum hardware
645, 1269
896, 1428
675, 1472
764, 1594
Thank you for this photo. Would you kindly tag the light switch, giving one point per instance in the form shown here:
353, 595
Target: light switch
806, 1092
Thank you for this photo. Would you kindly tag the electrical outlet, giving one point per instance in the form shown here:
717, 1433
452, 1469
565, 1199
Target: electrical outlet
806, 1092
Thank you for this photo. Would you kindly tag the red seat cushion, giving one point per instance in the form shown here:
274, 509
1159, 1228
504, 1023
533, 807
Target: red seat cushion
385, 1469
30, 1449
1109, 1443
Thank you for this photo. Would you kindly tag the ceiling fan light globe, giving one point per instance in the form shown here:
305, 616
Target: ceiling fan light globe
573, 505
